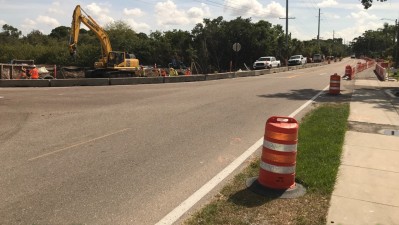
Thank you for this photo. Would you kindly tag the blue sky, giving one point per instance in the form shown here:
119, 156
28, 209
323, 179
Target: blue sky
339, 18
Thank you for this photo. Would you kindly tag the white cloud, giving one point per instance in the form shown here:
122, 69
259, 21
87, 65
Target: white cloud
55, 8
138, 27
350, 33
332, 16
2, 22
37, 24
133, 12
168, 13
253, 8
274, 10
327, 3
361, 21
28, 25
47, 21
197, 15
100, 13
362, 16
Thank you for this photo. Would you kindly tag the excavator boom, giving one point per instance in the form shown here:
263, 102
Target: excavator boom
87, 20
111, 63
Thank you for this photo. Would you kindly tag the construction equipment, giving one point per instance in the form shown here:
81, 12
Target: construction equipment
111, 63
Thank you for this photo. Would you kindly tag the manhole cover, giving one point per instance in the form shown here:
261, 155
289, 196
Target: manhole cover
391, 132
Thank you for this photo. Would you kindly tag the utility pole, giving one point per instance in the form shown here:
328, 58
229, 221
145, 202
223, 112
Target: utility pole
318, 30
286, 30
286, 27
397, 42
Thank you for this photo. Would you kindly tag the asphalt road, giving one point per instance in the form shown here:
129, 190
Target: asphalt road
131, 154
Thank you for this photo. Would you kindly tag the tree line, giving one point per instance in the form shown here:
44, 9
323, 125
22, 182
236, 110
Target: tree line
208, 45
378, 43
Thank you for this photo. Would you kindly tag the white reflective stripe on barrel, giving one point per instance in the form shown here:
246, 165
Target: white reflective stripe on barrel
334, 88
279, 147
277, 169
335, 81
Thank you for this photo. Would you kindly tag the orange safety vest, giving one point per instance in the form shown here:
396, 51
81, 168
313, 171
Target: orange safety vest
34, 73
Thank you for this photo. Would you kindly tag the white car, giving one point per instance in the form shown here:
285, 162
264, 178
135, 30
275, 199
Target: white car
297, 60
266, 62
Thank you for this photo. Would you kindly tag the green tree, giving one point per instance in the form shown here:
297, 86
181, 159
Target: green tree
122, 36
36, 37
368, 3
9, 34
60, 33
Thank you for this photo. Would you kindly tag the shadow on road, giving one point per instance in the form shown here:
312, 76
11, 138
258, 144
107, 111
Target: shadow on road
307, 94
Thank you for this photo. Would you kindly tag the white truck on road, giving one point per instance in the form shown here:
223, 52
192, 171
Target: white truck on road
266, 62
297, 60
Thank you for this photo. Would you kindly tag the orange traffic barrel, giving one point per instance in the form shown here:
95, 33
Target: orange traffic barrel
335, 84
277, 167
348, 71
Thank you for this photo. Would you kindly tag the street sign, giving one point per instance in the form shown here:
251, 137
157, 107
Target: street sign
236, 47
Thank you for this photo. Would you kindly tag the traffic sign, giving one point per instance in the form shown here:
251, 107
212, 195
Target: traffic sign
236, 47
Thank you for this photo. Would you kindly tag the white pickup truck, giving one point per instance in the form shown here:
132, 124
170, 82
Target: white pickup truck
266, 62
297, 60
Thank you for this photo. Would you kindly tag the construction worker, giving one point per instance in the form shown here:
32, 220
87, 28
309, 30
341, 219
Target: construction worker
142, 71
172, 72
34, 73
163, 73
188, 72
22, 75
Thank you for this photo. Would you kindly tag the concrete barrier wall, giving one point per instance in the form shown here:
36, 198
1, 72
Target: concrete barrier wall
79, 82
245, 74
24, 83
136, 80
190, 78
381, 72
261, 72
217, 76
143, 80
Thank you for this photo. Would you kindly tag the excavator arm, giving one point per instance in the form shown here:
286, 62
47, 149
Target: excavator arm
87, 20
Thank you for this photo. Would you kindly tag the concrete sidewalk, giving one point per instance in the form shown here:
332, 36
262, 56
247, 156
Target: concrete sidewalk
367, 188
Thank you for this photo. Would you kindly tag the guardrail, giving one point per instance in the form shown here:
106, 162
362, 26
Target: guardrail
142, 80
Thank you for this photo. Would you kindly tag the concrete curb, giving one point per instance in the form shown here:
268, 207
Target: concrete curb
191, 78
24, 83
79, 82
136, 80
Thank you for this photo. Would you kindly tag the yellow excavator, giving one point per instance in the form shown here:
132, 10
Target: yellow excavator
111, 63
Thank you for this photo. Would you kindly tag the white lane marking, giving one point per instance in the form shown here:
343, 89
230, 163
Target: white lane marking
176, 213
390, 93
322, 74
75, 145
1, 97
308, 102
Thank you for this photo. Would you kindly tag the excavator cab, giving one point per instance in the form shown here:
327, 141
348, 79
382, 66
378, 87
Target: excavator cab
115, 59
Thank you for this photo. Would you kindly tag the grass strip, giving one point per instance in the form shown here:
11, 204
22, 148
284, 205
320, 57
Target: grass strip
321, 137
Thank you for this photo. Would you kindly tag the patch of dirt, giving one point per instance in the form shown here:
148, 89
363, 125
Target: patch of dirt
71, 73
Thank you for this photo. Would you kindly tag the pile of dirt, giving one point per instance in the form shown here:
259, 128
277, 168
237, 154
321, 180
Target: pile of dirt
71, 73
